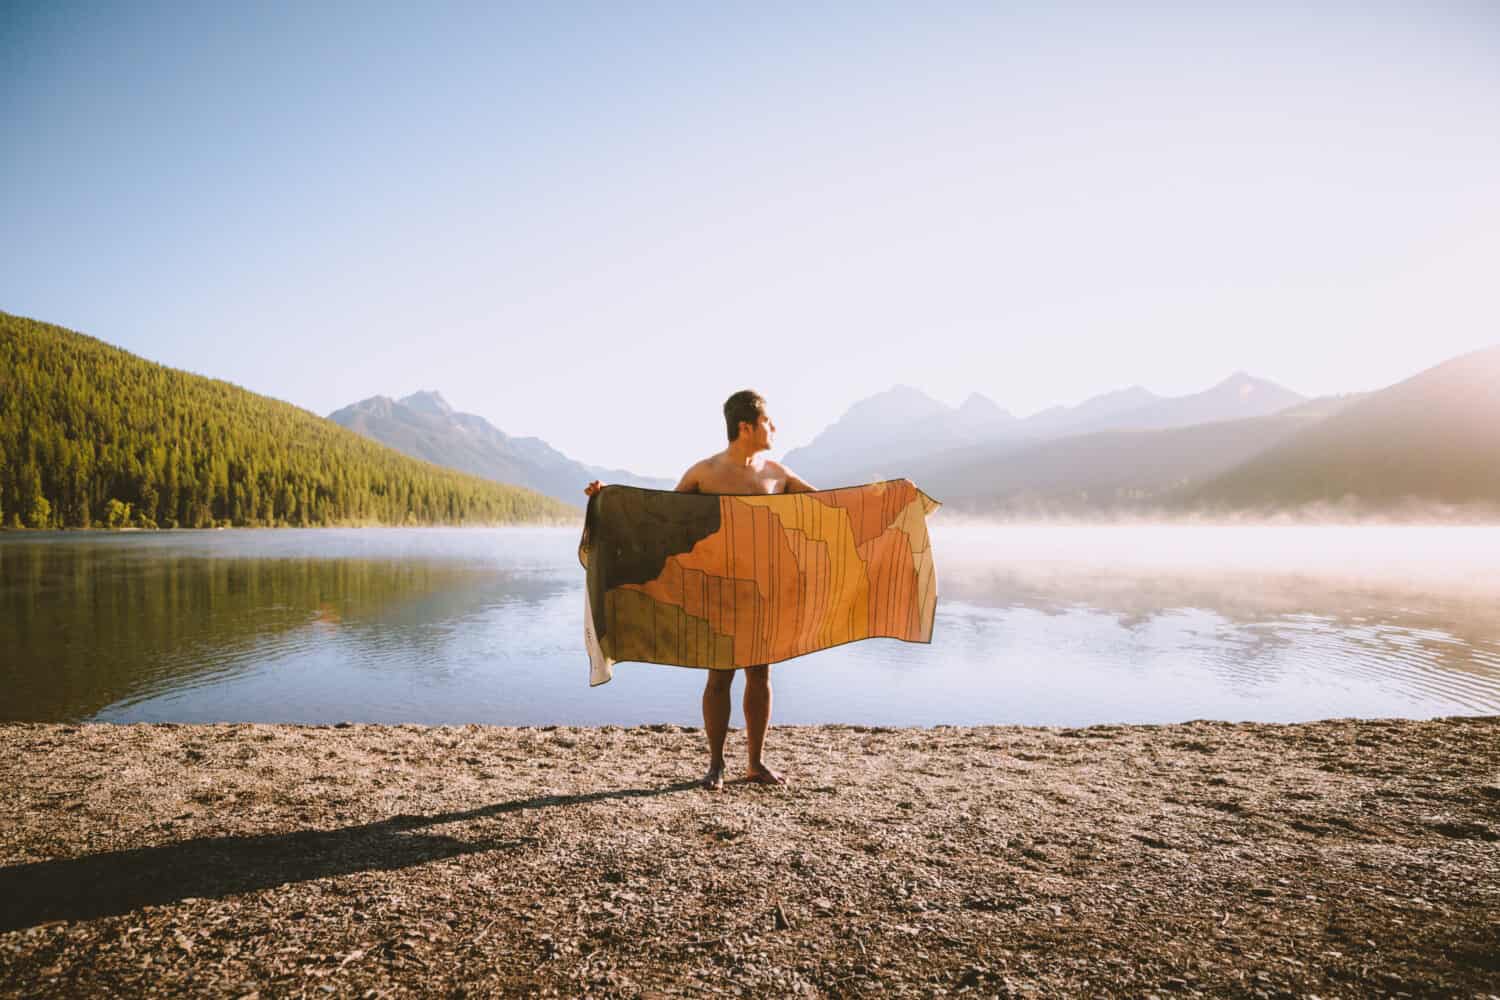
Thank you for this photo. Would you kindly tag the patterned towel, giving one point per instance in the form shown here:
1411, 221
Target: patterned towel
721, 582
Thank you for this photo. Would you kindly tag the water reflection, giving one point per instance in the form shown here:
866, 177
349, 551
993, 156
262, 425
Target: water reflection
1044, 626
111, 621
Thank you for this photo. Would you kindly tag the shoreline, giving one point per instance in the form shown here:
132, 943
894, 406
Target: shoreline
1339, 858
352, 526
957, 520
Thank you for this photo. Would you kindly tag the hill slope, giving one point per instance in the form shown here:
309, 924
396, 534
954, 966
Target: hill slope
91, 434
1434, 438
424, 426
1107, 471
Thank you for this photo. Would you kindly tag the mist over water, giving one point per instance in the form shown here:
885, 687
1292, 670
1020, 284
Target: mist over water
1062, 625
1244, 573
1167, 622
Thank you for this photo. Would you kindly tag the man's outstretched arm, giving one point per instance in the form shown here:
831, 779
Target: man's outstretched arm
795, 483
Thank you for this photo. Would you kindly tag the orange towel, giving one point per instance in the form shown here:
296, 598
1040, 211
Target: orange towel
722, 582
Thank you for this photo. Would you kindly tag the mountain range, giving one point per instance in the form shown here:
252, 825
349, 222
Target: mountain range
1110, 471
1243, 444
1427, 446
423, 425
886, 434
90, 434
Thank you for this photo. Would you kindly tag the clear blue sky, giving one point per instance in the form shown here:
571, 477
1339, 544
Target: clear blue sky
592, 223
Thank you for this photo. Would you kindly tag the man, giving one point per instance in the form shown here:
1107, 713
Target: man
739, 468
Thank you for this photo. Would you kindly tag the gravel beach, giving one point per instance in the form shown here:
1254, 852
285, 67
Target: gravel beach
1332, 859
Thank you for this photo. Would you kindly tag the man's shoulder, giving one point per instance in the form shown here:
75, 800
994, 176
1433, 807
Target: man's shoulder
773, 468
692, 479
704, 464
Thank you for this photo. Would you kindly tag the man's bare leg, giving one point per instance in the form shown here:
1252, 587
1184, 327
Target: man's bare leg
757, 720
716, 724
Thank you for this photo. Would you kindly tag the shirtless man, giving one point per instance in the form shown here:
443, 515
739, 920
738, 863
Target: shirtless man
739, 468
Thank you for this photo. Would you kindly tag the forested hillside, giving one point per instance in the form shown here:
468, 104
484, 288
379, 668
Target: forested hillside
92, 436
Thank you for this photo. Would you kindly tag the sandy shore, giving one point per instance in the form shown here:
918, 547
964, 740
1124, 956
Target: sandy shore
1336, 859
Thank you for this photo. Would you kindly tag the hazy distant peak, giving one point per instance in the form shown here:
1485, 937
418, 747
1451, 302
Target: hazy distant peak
978, 404
376, 405
903, 391
898, 404
907, 393
979, 416
1241, 379
428, 401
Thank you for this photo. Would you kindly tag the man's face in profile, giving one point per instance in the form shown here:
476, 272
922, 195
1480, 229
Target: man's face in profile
762, 432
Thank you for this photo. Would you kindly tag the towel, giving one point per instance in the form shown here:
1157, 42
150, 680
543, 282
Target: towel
722, 582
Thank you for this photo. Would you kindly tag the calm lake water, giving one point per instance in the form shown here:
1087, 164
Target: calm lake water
1043, 625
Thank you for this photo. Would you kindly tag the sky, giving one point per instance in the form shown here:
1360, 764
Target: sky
592, 223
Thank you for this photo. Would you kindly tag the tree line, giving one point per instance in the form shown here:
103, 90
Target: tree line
93, 436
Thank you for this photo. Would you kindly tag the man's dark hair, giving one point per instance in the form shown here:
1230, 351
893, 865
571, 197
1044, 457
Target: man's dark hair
746, 405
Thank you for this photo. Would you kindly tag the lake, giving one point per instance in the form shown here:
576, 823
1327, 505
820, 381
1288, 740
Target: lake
1037, 625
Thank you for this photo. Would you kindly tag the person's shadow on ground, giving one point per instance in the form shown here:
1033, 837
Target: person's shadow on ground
116, 882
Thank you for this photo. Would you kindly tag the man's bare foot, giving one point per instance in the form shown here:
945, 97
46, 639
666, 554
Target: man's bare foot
763, 775
714, 779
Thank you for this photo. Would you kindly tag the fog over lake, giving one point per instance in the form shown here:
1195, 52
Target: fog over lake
1045, 625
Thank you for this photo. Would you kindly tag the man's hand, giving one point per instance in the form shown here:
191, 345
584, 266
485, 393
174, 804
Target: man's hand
593, 488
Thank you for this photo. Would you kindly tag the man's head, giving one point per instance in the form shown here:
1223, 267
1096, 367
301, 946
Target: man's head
745, 413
